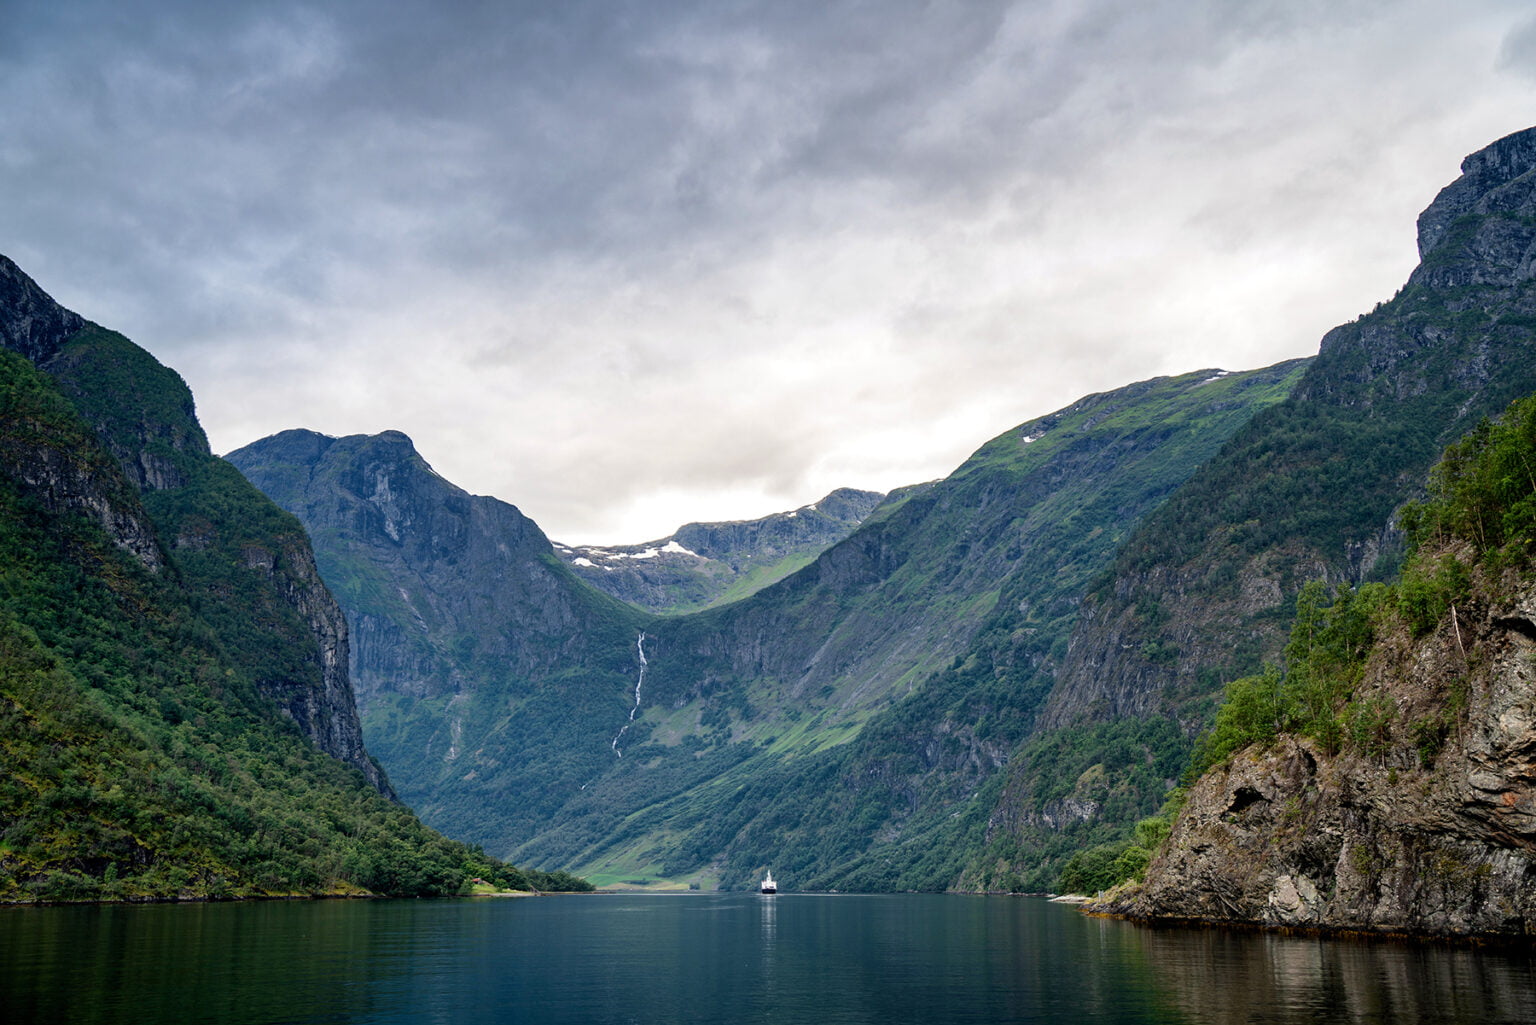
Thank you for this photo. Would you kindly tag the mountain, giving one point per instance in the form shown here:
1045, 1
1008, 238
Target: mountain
707, 564
827, 724
1406, 801
478, 656
1204, 591
176, 718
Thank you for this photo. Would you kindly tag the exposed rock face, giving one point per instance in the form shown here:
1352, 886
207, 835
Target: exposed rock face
328, 713
1435, 835
1309, 489
705, 563
31, 323
142, 410
1495, 178
422, 561
50, 462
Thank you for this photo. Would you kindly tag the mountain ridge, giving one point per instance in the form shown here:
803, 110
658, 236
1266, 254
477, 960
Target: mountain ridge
701, 565
1309, 489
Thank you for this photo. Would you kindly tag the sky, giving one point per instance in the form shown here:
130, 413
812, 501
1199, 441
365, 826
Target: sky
635, 263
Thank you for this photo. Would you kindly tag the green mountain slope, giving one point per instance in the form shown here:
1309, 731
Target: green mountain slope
1204, 591
835, 720
175, 715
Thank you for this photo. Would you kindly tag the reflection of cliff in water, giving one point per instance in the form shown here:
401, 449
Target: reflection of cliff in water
1220, 976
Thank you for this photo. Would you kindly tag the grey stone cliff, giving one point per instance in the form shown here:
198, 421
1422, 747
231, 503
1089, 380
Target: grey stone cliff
1435, 835
31, 323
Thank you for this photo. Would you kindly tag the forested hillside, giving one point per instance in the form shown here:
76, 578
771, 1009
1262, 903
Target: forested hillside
176, 719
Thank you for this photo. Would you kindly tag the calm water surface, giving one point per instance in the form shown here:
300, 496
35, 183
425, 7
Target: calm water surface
715, 958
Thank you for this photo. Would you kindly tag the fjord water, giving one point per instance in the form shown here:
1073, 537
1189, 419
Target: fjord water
715, 958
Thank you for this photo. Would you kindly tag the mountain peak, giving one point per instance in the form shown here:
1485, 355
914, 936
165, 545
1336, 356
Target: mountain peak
1484, 174
31, 322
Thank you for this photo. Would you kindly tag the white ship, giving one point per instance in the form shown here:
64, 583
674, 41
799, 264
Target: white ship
769, 886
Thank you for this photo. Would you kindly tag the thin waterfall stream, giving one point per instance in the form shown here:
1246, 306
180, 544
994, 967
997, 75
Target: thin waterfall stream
639, 682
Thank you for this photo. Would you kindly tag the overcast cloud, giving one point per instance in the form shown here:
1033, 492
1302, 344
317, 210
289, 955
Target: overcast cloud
627, 264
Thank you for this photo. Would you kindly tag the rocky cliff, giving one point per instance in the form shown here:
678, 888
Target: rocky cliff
706, 564
474, 651
1428, 829
31, 323
1203, 591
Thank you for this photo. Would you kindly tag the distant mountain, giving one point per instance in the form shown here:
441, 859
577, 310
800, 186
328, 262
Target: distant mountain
830, 723
707, 564
477, 654
176, 718
990, 673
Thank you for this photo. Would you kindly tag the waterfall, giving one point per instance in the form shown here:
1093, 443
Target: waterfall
639, 682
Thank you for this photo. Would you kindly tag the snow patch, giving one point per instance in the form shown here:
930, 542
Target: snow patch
584, 561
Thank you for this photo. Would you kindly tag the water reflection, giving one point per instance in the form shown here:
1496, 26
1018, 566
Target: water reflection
1219, 977
716, 958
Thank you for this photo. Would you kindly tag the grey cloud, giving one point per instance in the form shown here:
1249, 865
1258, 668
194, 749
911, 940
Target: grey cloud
571, 218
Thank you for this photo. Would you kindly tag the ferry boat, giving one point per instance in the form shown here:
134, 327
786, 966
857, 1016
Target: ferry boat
769, 886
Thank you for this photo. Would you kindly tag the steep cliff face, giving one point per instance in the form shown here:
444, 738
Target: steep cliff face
1432, 832
439, 584
43, 448
179, 504
706, 564
1308, 489
481, 663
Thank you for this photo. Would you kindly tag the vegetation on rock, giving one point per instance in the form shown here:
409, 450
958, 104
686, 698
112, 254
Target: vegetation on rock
1379, 781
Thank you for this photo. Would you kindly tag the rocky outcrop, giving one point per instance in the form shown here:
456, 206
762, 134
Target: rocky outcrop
1432, 832
31, 323
1496, 177
706, 563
